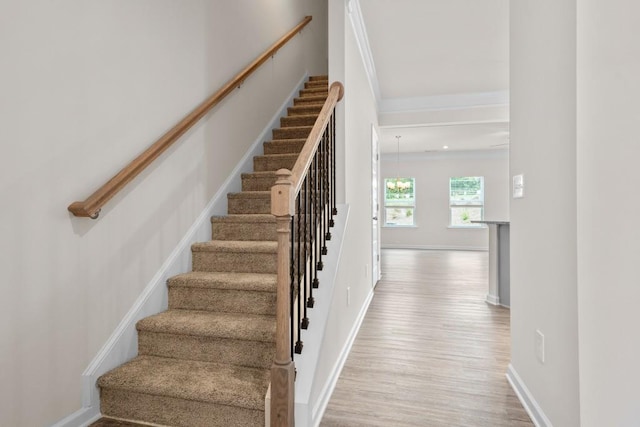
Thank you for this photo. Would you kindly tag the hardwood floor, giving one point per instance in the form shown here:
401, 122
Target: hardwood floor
430, 351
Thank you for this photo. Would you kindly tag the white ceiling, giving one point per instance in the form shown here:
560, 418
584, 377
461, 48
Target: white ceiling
439, 55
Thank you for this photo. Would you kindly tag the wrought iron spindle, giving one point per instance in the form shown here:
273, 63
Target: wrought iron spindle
292, 292
326, 207
308, 262
316, 214
334, 210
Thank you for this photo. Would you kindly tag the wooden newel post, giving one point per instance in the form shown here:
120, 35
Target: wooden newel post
283, 371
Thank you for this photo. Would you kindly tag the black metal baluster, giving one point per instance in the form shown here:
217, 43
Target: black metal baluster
298, 344
334, 209
307, 231
326, 208
316, 217
313, 220
302, 285
321, 192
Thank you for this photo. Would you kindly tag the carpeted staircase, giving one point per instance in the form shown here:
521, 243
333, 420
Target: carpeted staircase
206, 360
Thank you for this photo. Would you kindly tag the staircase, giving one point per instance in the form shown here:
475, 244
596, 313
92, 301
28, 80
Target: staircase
206, 360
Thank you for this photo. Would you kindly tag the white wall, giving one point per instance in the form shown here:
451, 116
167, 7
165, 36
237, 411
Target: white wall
432, 172
543, 223
85, 87
356, 115
608, 153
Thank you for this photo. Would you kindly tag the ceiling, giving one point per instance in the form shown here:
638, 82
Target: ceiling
440, 71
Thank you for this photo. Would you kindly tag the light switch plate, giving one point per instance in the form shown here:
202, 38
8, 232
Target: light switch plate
518, 186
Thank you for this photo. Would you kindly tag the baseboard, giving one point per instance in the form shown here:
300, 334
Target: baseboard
526, 398
81, 418
327, 390
492, 299
434, 247
122, 345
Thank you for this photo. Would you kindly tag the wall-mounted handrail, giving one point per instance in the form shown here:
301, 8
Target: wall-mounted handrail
303, 202
91, 206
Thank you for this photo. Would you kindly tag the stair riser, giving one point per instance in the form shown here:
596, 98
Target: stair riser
254, 354
268, 163
304, 109
258, 183
283, 147
306, 120
171, 411
239, 205
292, 133
222, 300
308, 100
323, 78
244, 230
317, 84
323, 91
242, 262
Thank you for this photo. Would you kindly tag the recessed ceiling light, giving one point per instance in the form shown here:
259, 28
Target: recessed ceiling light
446, 147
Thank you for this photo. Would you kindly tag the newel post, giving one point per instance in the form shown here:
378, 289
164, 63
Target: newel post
282, 370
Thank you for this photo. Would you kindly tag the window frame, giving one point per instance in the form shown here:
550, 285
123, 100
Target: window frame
458, 203
390, 205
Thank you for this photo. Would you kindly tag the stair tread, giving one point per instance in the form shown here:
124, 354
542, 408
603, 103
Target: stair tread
305, 116
287, 141
309, 127
262, 282
191, 380
279, 156
318, 104
259, 173
236, 246
237, 326
319, 98
250, 194
266, 218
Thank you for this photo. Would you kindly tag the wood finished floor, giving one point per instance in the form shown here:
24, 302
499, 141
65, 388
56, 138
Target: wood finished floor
430, 351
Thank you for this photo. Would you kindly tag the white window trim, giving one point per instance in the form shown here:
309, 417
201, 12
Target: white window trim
385, 206
467, 205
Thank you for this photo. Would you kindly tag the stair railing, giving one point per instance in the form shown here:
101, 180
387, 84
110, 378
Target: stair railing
92, 205
303, 201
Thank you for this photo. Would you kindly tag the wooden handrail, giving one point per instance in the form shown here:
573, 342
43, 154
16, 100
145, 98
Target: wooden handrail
283, 199
91, 206
336, 92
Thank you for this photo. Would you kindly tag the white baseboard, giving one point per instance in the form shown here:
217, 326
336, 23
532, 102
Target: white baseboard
434, 247
526, 398
122, 345
81, 418
327, 390
492, 299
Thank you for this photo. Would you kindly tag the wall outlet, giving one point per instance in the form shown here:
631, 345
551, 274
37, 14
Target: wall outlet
540, 346
348, 296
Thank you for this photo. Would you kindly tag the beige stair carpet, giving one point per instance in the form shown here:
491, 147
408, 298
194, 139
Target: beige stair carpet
205, 361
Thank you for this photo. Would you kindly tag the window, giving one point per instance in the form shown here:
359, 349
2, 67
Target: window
466, 201
399, 202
